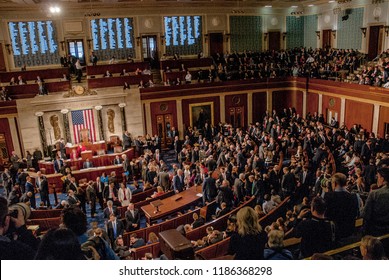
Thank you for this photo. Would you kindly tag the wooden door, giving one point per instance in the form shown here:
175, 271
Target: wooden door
4, 155
274, 40
150, 50
2, 59
374, 41
215, 43
236, 116
327, 39
164, 126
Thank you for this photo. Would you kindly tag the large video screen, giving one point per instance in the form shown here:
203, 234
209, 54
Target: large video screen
112, 37
183, 34
34, 43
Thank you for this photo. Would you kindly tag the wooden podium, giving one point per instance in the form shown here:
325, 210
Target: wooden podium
86, 155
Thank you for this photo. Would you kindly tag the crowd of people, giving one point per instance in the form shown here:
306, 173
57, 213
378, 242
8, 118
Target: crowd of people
332, 175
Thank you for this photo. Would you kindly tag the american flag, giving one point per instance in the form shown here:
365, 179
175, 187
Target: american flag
83, 119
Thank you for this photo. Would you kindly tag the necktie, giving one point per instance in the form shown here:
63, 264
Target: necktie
252, 189
114, 229
124, 191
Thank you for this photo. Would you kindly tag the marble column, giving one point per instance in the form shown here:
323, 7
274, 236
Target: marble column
42, 133
100, 122
123, 116
66, 127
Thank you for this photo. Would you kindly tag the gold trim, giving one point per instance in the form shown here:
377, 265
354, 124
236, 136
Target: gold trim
191, 106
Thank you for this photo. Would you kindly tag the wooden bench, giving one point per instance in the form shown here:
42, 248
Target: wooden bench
45, 214
100, 69
139, 253
45, 224
219, 224
118, 81
188, 63
30, 75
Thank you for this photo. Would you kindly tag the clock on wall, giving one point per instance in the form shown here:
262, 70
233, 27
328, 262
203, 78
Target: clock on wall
331, 103
79, 90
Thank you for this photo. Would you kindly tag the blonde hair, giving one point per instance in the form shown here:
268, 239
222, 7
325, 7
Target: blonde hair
247, 221
153, 237
276, 238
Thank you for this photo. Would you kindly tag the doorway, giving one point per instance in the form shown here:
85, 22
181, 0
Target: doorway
4, 155
76, 49
375, 41
164, 129
149, 50
274, 40
327, 42
236, 116
216, 44
331, 114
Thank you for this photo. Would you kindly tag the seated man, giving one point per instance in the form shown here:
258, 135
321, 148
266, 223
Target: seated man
136, 242
87, 164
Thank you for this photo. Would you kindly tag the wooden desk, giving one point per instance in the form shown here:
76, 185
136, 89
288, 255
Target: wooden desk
172, 204
102, 160
88, 174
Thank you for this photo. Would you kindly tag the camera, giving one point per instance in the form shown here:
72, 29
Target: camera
24, 208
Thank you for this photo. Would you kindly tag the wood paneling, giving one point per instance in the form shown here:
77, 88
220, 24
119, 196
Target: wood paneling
383, 118
332, 103
236, 100
163, 107
288, 98
359, 113
312, 102
259, 106
5, 129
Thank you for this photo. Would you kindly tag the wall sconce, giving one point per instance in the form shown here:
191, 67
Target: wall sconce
162, 39
62, 45
64, 111
122, 105
205, 38
386, 27
138, 41
98, 107
265, 36
284, 35
318, 35
228, 35
39, 114
8, 47
89, 43
333, 33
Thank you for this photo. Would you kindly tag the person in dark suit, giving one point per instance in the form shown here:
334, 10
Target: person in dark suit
178, 181
115, 228
209, 188
288, 182
136, 242
177, 146
58, 164
198, 221
110, 209
72, 199
164, 179
117, 160
30, 188
14, 195
43, 186
132, 218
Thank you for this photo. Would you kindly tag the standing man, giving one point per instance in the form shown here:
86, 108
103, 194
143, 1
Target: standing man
132, 218
115, 228
376, 211
30, 188
43, 187
178, 182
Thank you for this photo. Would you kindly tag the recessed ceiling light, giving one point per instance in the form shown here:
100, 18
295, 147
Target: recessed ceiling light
268, 6
311, 5
332, 1
294, 6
